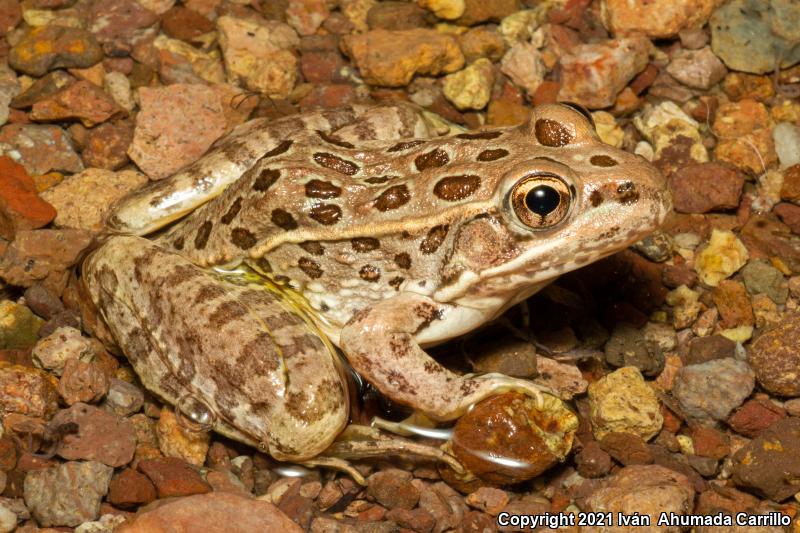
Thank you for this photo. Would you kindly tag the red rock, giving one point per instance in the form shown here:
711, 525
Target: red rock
100, 436
754, 417
593, 74
790, 190
769, 464
20, 205
704, 187
131, 488
704, 349
644, 79
41, 148
82, 382
10, 15
35, 254
396, 16
789, 215
218, 512
709, 442
8, 454
418, 520
173, 477
82, 100
726, 499
321, 66
733, 304
592, 461
626, 448
327, 96
117, 24
488, 499
175, 126
27, 391
185, 24
546, 93
674, 276
393, 489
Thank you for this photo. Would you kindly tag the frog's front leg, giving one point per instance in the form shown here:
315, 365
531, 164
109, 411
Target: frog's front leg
236, 345
380, 344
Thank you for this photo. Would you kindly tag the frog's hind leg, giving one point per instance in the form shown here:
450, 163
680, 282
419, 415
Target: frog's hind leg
238, 349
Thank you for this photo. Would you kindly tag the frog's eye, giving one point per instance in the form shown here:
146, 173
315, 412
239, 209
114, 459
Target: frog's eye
580, 109
541, 201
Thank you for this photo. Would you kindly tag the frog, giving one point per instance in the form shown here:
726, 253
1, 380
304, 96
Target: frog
355, 238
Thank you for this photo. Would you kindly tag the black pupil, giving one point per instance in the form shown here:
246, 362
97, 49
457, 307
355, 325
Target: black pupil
542, 200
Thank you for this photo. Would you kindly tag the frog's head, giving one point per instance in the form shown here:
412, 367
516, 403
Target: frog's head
574, 202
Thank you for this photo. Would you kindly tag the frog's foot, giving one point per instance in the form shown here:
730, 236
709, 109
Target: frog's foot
241, 350
380, 343
361, 442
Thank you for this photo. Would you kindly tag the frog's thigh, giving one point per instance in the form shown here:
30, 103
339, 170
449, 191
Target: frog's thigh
379, 342
259, 367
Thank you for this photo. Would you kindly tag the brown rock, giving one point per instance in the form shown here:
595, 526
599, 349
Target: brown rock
703, 187
218, 512
789, 215
391, 58
790, 190
480, 42
106, 145
175, 126
741, 85
27, 391
20, 206
321, 66
704, 349
674, 276
476, 11
754, 417
506, 113
745, 132
41, 148
626, 448
698, 69
710, 442
82, 100
488, 499
444, 504
733, 304
37, 253
100, 436
766, 234
658, 18
393, 489
418, 520
50, 83
593, 74
8, 454
130, 488
10, 15
82, 382
46, 48
397, 16
185, 24
726, 499
592, 461
119, 24
173, 477
770, 463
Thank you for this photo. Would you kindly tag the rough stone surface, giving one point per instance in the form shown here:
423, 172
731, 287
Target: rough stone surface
775, 358
770, 463
50, 47
708, 392
705, 187
39, 148
657, 19
622, 401
100, 436
67, 494
20, 206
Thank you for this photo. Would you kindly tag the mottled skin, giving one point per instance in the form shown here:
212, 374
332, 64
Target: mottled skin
331, 228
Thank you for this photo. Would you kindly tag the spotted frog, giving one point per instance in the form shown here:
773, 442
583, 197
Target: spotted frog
361, 228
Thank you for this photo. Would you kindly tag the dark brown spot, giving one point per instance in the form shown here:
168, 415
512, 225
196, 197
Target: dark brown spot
434, 239
208, 292
392, 198
551, 133
178, 243
377, 179
280, 149
326, 213
228, 217
480, 135
603, 161
312, 247
265, 179
596, 198
405, 145
365, 244
201, 239
370, 273
403, 260
454, 188
395, 282
310, 267
335, 163
225, 313
333, 140
263, 265
283, 219
627, 193
433, 159
322, 189
243, 238
492, 155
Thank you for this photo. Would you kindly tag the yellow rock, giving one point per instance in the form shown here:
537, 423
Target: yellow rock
177, 440
471, 87
662, 123
622, 401
444, 9
607, 128
724, 255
